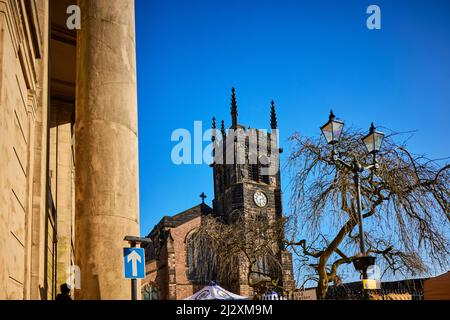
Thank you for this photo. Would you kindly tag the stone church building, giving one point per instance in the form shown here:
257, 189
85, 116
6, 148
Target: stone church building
240, 188
68, 147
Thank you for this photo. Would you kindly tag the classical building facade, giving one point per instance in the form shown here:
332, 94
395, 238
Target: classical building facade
68, 147
242, 188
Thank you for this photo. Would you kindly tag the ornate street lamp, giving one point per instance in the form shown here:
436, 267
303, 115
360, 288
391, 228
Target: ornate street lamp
373, 140
332, 129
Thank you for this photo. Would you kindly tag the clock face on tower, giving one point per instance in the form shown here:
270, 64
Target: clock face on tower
260, 199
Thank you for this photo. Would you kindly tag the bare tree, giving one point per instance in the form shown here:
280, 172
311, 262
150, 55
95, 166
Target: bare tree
244, 245
406, 209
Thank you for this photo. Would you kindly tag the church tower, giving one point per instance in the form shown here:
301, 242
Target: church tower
246, 174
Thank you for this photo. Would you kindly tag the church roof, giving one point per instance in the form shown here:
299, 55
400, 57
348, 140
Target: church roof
182, 217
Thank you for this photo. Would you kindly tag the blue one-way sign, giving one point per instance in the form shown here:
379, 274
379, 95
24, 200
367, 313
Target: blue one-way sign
134, 263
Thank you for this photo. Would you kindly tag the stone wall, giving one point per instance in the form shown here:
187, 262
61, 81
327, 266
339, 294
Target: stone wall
184, 287
169, 271
22, 138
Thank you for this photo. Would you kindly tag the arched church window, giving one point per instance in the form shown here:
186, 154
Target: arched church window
225, 176
150, 292
234, 216
200, 260
262, 265
219, 180
190, 257
263, 167
253, 172
252, 167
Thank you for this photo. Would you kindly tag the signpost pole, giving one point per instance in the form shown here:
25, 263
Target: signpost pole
134, 263
134, 295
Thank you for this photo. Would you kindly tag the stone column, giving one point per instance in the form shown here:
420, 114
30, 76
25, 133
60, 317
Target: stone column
107, 203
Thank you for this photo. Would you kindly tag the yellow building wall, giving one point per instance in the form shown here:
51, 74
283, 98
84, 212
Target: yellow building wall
29, 242
16, 134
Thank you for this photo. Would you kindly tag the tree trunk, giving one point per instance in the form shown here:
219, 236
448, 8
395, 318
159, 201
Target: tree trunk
322, 285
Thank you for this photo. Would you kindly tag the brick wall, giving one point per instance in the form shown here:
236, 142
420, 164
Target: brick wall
170, 272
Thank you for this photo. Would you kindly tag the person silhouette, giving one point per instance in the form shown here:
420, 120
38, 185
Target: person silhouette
65, 293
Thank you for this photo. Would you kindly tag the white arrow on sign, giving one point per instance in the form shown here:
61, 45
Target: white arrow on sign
134, 257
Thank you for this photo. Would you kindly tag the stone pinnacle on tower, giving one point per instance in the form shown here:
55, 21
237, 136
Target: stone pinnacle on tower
222, 128
234, 111
213, 126
273, 116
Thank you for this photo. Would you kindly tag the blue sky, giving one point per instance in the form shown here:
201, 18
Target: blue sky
309, 56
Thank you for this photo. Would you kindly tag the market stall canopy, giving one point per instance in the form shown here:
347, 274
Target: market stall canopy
215, 292
272, 295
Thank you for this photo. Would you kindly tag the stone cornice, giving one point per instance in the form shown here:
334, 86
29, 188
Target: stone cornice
11, 21
34, 29
24, 32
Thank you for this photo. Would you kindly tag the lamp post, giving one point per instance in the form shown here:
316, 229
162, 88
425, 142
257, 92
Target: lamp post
332, 131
